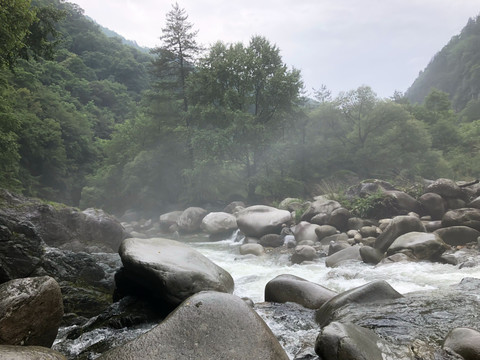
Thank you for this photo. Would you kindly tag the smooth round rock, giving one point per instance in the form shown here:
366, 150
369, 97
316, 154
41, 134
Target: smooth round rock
465, 342
303, 253
290, 288
462, 217
458, 235
349, 253
252, 249
398, 226
305, 231
171, 270
369, 293
218, 223
191, 219
208, 325
259, 220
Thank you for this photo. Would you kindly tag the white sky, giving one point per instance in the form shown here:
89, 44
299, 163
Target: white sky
340, 43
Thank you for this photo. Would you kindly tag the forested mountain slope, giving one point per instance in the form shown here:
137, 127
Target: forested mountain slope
57, 110
454, 70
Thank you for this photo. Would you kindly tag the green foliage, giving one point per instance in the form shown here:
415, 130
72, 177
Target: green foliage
16, 17
455, 69
366, 207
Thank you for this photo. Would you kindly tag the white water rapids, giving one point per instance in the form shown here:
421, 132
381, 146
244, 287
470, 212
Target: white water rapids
252, 273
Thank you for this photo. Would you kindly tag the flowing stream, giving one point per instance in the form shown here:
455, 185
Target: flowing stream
296, 330
252, 273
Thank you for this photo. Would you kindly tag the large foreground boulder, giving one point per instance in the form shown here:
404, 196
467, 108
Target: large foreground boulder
259, 220
11, 352
31, 310
291, 288
347, 341
208, 325
170, 270
369, 293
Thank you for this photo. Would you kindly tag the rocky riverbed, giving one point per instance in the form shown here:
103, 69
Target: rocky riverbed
402, 286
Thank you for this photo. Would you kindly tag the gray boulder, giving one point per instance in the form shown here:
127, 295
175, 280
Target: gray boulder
86, 280
305, 231
423, 246
458, 235
347, 341
21, 248
325, 230
347, 254
320, 207
219, 223
271, 240
445, 188
462, 217
289, 288
375, 291
259, 220
209, 325
31, 310
433, 204
464, 342
165, 221
170, 270
334, 238
371, 255
11, 352
251, 249
403, 202
191, 219
335, 247
303, 253
233, 206
475, 203
398, 226
291, 204
339, 218
61, 226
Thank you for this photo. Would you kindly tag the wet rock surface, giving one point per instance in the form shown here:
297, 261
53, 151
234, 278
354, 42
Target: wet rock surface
209, 325
418, 321
30, 311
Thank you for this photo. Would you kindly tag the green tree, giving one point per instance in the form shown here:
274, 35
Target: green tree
172, 65
241, 99
16, 17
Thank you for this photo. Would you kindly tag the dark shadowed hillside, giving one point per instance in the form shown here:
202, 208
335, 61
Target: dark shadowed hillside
454, 70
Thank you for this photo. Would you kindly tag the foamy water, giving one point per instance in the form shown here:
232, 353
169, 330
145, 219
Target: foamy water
251, 273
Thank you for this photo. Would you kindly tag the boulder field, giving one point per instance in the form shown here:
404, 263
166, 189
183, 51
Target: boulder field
59, 264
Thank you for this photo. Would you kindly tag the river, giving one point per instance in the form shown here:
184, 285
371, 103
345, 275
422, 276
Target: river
252, 273
296, 331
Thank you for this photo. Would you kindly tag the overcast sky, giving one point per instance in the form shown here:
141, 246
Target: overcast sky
340, 43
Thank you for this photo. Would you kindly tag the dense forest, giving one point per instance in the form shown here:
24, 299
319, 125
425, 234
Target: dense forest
91, 121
